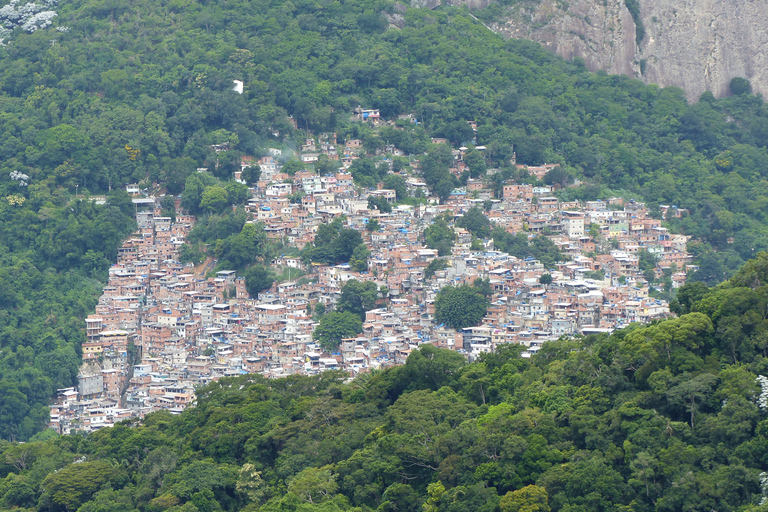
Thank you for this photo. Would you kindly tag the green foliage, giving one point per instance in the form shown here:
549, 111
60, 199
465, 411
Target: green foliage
435, 265
99, 117
661, 417
739, 86
236, 251
357, 297
558, 176
440, 236
335, 326
75, 484
460, 306
379, 203
45, 294
314, 485
372, 225
435, 167
333, 243
359, 259
251, 174
530, 498
365, 173
519, 245
687, 296
476, 163
475, 221
633, 6
396, 183
258, 279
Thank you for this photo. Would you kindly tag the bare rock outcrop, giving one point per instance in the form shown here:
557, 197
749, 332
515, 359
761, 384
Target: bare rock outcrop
700, 45
697, 45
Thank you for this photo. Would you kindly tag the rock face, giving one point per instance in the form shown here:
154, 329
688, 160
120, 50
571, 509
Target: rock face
697, 45
472, 4
700, 45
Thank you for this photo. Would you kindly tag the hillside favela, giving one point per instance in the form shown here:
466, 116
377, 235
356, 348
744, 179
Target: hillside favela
548, 268
383, 256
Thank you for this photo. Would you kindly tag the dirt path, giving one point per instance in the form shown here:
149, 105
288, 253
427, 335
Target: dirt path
204, 267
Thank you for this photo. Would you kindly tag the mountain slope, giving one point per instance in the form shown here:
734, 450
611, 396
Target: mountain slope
115, 93
671, 416
697, 45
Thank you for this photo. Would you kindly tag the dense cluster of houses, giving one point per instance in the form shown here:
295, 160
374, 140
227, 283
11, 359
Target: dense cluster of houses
161, 329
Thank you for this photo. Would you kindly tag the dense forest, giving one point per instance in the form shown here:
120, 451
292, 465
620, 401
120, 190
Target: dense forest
54, 252
670, 416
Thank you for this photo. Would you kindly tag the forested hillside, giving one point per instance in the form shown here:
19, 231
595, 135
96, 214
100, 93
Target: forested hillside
105, 93
131, 92
54, 252
669, 417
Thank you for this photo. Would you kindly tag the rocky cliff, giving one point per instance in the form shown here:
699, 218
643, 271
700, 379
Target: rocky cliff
698, 45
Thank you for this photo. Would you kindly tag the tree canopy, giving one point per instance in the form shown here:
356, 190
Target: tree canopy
460, 306
335, 326
357, 297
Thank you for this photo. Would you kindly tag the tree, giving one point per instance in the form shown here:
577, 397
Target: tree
439, 235
193, 193
333, 243
108, 500
545, 279
649, 275
314, 485
739, 86
476, 163
443, 188
325, 166
345, 244
379, 203
75, 484
168, 207
483, 287
251, 174
557, 176
334, 327
292, 166
258, 279
475, 221
214, 199
530, 498
396, 183
250, 483
435, 491
691, 391
13, 409
364, 172
460, 306
359, 259
237, 193
357, 297
227, 163
400, 498
711, 271
458, 132
435, 265
372, 225
647, 260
